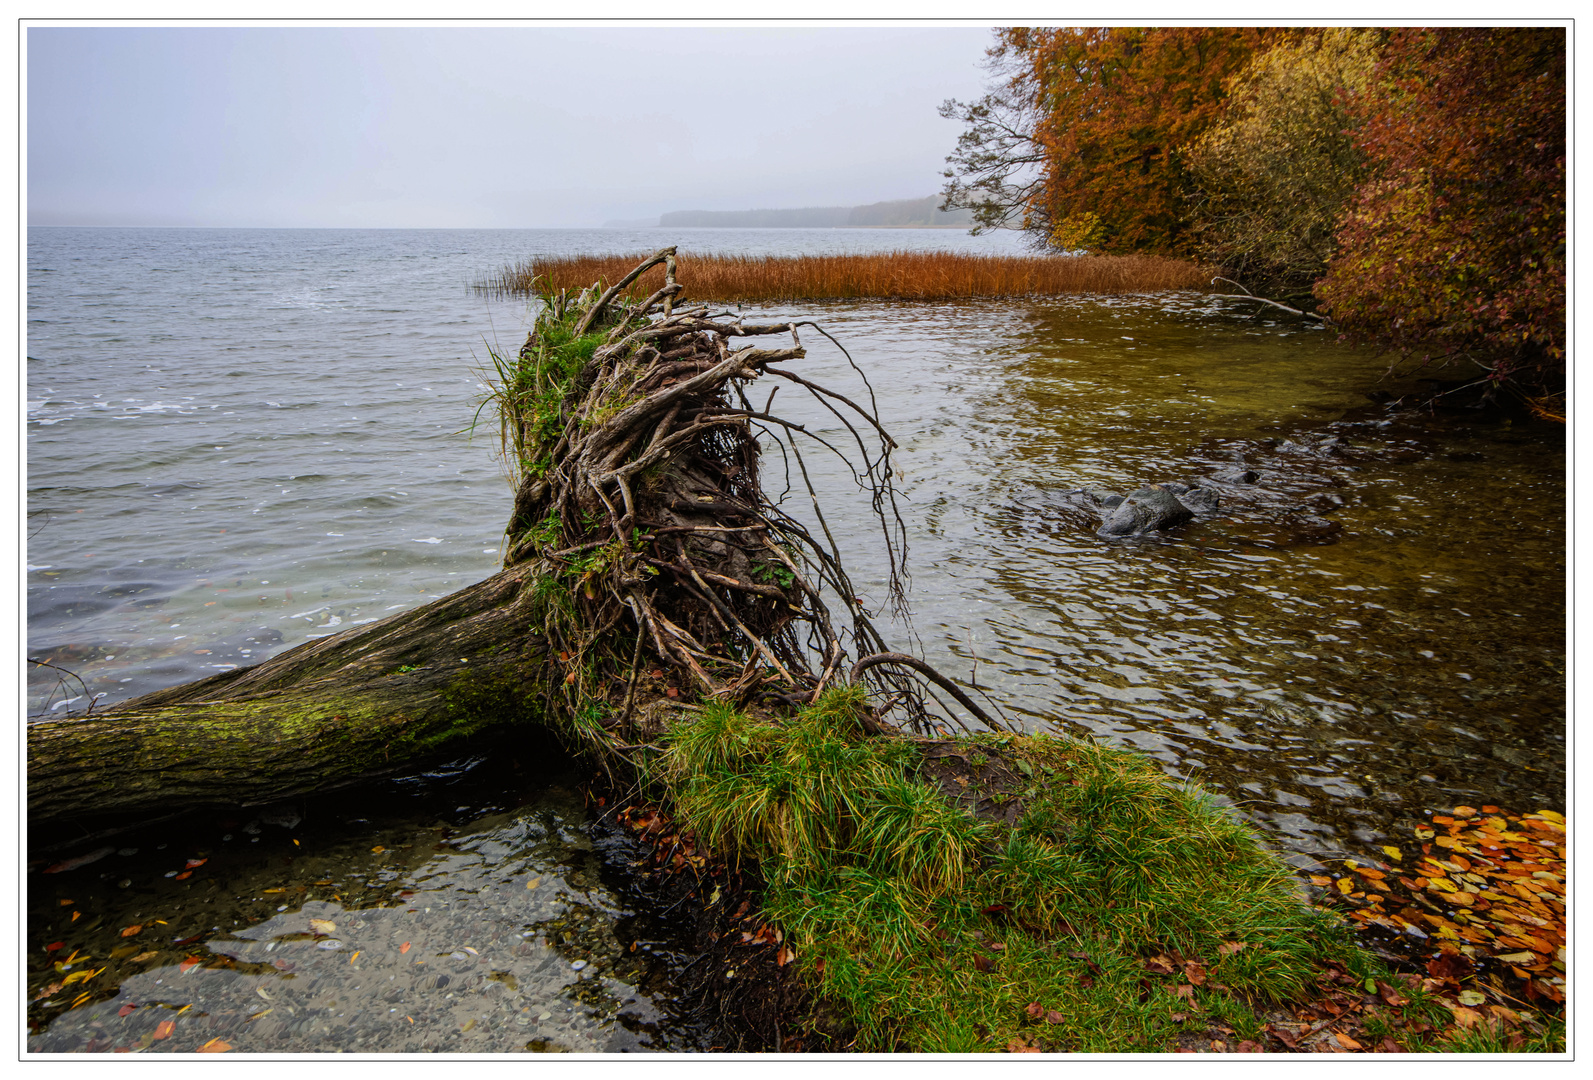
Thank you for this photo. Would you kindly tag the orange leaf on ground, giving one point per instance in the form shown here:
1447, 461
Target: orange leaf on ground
404, 948
1018, 1046
165, 1028
215, 1046
131, 930
192, 863
1345, 1041
187, 964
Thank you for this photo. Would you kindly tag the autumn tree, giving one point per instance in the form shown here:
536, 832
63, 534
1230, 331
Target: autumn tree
1080, 144
998, 167
1272, 176
1454, 248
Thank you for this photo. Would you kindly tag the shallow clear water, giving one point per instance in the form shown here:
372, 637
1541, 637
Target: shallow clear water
1374, 628
241, 440
472, 910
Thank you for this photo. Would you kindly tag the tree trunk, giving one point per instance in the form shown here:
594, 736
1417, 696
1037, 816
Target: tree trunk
325, 714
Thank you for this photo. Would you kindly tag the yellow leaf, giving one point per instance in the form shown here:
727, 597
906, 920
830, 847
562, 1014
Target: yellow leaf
1346, 886
533, 883
378, 849
323, 926
1392, 853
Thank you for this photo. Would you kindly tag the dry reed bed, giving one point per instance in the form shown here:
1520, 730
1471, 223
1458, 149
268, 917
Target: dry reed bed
897, 275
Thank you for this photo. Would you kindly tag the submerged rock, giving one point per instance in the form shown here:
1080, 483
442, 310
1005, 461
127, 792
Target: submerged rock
1201, 500
1147, 510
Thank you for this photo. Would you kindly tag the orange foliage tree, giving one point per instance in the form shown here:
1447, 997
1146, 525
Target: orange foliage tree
1109, 111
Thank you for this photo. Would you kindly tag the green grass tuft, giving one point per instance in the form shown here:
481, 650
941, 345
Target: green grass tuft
935, 930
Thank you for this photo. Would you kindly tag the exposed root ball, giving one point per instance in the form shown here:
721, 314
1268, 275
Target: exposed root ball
636, 452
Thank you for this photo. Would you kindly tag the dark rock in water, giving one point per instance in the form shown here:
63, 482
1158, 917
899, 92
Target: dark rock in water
1146, 510
1149, 509
1236, 476
1200, 500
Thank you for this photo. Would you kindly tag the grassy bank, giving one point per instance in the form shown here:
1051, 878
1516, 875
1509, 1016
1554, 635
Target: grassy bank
897, 275
1023, 893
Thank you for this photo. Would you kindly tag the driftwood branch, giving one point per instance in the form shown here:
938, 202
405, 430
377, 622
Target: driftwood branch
1248, 295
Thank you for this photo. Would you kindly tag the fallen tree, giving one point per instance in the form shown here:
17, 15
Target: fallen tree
645, 567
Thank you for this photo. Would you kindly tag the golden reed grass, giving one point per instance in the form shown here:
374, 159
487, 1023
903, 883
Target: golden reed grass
896, 275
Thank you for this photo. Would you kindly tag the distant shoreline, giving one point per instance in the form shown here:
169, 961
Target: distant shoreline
780, 228
924, 213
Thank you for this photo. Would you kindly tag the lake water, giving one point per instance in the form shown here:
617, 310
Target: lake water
241, 440
238, 440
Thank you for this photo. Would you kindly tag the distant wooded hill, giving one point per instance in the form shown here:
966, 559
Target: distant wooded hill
895, 213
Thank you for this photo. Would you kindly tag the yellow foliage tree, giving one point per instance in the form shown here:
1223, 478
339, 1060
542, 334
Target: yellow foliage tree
1272, 177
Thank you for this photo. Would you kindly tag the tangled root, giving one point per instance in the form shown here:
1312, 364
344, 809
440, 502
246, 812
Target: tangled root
639, 493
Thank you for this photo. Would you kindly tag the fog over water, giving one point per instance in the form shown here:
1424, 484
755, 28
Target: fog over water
505, 127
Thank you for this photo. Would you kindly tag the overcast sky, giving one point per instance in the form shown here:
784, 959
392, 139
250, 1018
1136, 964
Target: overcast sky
478, 127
